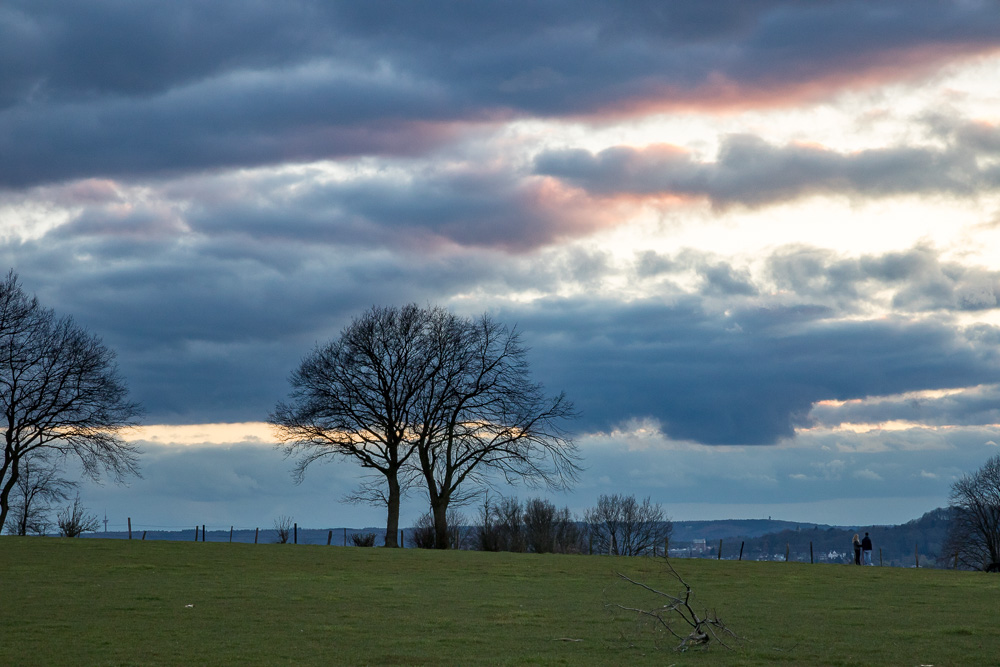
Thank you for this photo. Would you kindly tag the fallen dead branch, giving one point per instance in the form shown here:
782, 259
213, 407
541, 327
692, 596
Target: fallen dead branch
677, 617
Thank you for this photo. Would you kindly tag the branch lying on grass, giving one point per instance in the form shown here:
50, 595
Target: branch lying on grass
678, 609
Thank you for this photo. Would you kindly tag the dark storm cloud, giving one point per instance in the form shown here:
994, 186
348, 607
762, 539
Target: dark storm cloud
113, 89
752, 172
746, 377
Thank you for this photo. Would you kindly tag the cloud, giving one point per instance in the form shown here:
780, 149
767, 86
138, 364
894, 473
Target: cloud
751, 172
196, 88
747, 377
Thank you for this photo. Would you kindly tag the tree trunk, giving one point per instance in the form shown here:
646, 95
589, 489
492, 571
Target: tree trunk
440, 509
5, 496
392, 520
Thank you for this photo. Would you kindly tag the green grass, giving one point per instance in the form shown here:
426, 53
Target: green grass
115, 602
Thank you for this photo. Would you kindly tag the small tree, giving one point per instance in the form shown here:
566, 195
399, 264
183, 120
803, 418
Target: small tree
60, 393
363, 539
283, 528
38, 487
974, 535
74, 520
621, 526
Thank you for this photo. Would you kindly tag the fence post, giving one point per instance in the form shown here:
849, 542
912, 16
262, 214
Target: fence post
329, 538
811, 561
718, 556
130, 528
666, 547
203, 532
916, 555
787, 549
196, 533
741, 550
296, 529
402, 539
256, 532
345, 537
144, 536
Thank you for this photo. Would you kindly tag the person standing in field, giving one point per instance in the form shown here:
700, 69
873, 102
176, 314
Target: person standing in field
866, 549
856, 542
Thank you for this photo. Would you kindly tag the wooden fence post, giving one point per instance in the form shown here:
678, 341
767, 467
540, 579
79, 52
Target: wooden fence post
196, 533
130, 528
787, 549
718, 556
230, 534
402, 539
296, 532
329, 538
144, 536
811, 561
916, 555
741, 550
202, 532
256, 532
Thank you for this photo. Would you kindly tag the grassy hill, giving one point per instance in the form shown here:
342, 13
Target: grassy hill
119, 602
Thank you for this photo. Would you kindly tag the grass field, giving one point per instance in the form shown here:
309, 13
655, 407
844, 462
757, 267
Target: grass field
116, 602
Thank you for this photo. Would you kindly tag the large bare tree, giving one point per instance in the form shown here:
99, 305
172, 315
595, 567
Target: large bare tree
486, 421
60, 392
357, 398
974, 536
419, 393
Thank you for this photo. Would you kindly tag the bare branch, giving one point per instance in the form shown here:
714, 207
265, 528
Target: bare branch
704, 627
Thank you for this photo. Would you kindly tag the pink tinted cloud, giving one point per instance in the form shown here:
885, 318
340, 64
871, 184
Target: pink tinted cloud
725, 94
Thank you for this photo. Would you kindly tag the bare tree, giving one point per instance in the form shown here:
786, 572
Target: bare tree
356, 398
74, 520
500, 525
38, 487
621, 526
485, 420
414, 392
59, 392
974, 536
283, 528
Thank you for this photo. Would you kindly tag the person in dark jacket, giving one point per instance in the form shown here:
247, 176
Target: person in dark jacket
856, 542
866, 550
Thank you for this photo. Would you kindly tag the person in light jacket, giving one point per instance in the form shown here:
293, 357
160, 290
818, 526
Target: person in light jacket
856, 542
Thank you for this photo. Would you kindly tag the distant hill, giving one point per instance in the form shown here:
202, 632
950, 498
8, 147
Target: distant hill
920, 540
761, 539
686, 531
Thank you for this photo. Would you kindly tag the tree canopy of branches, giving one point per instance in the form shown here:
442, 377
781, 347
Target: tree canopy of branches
487, 420
974, 536
416, 393
60, 392
622, 526
358, 397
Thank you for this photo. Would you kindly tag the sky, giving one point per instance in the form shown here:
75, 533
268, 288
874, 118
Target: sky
756, 243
